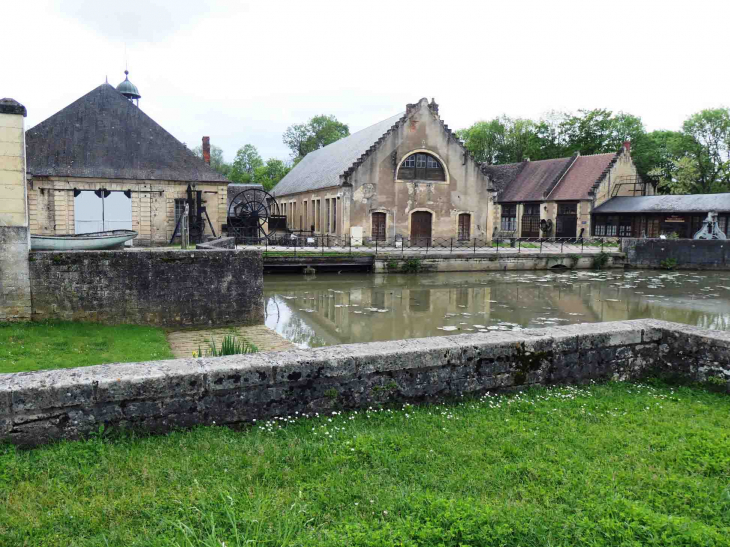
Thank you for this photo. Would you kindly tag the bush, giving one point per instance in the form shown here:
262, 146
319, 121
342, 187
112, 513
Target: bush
600, 260
668, 264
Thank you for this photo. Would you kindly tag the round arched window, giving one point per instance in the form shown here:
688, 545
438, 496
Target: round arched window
421, 166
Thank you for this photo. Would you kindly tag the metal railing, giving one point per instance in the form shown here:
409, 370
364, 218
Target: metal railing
329, 243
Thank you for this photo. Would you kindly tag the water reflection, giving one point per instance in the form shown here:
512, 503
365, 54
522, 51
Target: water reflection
340, 309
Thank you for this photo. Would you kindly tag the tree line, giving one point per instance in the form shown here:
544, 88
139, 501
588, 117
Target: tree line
249, 167
693, 160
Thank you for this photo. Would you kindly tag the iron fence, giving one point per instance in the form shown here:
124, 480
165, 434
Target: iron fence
306, 242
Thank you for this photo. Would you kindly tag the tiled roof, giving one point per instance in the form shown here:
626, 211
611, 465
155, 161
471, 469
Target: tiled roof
534, 180
696, 203
578, 182
502, 175
104, 135
322, 168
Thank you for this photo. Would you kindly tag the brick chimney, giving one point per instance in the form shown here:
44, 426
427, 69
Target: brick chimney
206, 150
627, 147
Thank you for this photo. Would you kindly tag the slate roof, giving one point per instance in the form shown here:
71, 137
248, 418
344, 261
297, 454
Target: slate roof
322, 168
104, 135
697, 203
534, 180
502, 175
584, 174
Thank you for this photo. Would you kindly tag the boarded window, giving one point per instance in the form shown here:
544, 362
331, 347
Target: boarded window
101, 211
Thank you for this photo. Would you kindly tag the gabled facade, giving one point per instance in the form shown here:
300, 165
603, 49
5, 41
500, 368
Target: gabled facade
406, 177
101, 163
560, 194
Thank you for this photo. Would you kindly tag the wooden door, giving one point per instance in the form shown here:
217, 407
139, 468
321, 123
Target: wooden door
464, 226
567, 220
378, 228
420, 229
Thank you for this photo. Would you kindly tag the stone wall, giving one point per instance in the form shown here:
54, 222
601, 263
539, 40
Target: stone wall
690, 254
166, 288
39, 407
218, 243
14, 286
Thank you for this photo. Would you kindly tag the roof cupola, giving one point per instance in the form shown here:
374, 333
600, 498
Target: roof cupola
128, 89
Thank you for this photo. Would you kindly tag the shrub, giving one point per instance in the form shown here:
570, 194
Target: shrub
668, 264
600, 260
412, 265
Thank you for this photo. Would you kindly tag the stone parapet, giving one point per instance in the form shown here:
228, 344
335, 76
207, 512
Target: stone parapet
44, 406
189, 288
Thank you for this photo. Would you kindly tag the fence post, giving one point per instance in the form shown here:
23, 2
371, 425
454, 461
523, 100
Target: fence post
295, 246
428, 240
451, 248
581, 245
321, 240
349, 243
519, 245
602, 243
540, 245
561, 245
497, 245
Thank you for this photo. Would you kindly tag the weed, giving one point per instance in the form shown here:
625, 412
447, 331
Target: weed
411, 265
600, 260
230, 345
668, 264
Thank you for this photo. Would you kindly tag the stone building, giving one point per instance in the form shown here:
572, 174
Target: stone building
405, 177
562, 192
101, 163
14, 233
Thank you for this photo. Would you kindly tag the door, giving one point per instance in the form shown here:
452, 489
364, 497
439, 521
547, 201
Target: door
567, 221
464, 227
531, 220
100, 211
379, 226
420, 229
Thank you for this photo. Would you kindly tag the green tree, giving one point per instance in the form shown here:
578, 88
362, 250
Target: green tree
681, 177
216, 159
270, 174
599, 131
245, 164
502, 140
316, 133
708, 144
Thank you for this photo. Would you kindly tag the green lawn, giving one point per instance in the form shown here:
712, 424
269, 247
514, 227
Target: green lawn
614, 464
35, 346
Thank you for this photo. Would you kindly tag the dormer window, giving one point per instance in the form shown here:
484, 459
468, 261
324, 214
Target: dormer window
421, 166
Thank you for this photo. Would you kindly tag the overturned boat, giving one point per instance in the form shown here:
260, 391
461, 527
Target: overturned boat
81, 242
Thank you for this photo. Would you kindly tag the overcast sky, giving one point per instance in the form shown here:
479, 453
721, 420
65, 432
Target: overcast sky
242, 72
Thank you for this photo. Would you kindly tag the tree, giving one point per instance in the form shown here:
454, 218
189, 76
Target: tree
270, 174
245, 164
708, 144
316, 133
599, 131
216, 159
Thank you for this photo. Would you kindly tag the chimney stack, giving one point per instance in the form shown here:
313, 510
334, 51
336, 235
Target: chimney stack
627, 147
206, 150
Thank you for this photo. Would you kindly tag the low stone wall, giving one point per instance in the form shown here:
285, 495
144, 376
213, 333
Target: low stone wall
14, 285
39, 407
688, 253
165, 288
493, 262
218, 243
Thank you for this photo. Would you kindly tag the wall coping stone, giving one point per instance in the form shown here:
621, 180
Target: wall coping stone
43, 406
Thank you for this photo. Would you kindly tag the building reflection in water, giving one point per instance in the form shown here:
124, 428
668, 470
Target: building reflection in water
340, 309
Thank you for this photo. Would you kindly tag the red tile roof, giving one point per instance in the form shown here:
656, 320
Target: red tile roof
534, 180
582, 176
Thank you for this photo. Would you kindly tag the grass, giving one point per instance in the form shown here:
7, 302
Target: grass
613, 464
36, 346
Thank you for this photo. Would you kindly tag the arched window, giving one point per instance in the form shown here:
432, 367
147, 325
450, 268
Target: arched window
421, 167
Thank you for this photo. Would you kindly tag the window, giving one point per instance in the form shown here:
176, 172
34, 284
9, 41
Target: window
314, 215
179, 208
318, 218
624, 227
334, 215
293, 215
306, 211
567, 208
327, 216
421, 167
464, 226
509, 218
607, 226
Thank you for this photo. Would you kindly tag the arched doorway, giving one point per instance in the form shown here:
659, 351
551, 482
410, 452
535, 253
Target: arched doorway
421, 228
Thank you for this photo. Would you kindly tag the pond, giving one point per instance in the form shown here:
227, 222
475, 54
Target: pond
340, 309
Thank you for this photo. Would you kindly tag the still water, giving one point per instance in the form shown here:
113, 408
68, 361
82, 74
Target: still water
339, 309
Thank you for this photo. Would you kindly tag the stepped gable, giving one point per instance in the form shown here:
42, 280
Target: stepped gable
104, 135
585, 176
331, 165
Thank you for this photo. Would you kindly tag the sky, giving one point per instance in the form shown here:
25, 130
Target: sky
242, 72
